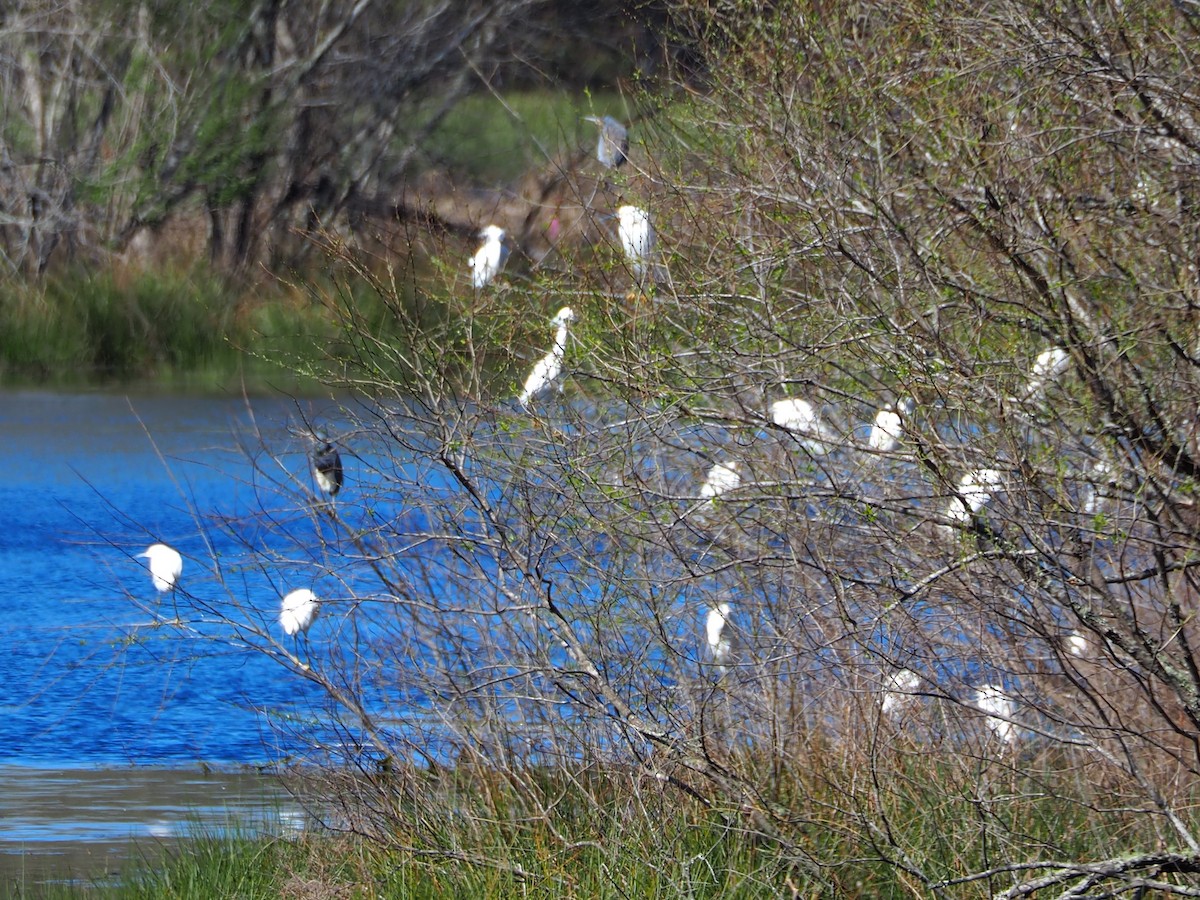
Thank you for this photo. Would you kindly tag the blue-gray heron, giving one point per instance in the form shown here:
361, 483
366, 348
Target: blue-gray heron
612, 148
327, 466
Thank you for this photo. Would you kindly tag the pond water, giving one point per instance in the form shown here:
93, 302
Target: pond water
104, 723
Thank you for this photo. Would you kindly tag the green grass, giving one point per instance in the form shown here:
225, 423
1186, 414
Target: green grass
492, 140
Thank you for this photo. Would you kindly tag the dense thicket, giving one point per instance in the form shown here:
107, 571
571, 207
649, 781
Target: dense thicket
959, 654
239, 123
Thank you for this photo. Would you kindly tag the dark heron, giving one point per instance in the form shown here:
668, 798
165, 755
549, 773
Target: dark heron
327, 466
612, 149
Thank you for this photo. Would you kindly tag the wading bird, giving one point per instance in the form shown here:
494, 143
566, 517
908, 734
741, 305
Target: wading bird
717, 632
166, 565
612, 149
721, 477
888, 430
298, 611
1049, 365
637, 238
1000, 708
546, 373
975, 489
326, 465
898, 690
801, 419
490, 258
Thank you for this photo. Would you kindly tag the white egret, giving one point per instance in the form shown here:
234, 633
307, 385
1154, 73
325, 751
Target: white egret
298, 611
166, 565
326, 465
1091, 498
490, 258
721, 477
898, 690
888, 430
612, 149
1000, 709
546, 373
1049, 365
975, 489
1077, 644
637, 238
802, 419
717, 633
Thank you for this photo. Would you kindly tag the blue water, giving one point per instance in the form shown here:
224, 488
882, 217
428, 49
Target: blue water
89, 481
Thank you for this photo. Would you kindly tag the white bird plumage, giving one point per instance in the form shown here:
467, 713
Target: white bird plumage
975, 489
888, 430
1077, 644
490, 258
898, 689
1000, 708
637, 237
166, 565
802, 419
721, 477
547, 371
298, 610
717, 633
1049, 365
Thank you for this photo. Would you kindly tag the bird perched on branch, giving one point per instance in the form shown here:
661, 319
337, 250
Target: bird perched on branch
1049, 365
298, 610
888, 430
721, 477
975, 489
166, 565
637, 238
546, 374
490, 258
898, 690
612, 148
326, 465
717, 632
802, 419
1000, 709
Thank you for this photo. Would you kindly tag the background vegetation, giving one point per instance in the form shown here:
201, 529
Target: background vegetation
856, 206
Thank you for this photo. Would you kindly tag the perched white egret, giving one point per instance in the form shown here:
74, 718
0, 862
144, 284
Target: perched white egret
637, 238
166, 565
1077, 644
721, 477
546, 373
1000, 708
298, 611
802, 419
612, 149
975, 489
717, 633
898, 690
1091, 498
888, 430
326, 465
1049, 365
490, 258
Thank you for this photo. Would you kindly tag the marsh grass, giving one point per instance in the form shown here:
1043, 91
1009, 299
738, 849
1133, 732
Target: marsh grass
178, 330
611, 832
